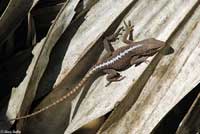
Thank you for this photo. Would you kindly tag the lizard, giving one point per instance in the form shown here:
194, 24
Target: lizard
134, 53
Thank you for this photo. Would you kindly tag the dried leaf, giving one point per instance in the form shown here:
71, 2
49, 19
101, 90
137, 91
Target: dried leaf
40, 62
191, 122
13, 15
174, 77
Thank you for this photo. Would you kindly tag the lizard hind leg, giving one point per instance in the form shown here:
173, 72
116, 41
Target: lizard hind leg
113, 76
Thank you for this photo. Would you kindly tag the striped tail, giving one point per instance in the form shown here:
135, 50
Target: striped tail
67, 95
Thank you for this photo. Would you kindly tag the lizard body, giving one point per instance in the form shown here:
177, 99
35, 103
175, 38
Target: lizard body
118, 60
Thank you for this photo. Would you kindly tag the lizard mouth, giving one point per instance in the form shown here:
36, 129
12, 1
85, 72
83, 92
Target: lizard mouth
158, 48
152, 51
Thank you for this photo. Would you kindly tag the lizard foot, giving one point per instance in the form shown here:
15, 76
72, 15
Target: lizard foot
114, 36
115, 79
128, 27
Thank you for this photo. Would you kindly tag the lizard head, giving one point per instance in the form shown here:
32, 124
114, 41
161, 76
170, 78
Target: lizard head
152, 46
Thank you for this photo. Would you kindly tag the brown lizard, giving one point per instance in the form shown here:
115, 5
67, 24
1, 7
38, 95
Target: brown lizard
117, 60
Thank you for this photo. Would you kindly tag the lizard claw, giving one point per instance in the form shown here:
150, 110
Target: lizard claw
108, 84
119, 32
114, 36
121, 78
128, 27
115, 80
147, 61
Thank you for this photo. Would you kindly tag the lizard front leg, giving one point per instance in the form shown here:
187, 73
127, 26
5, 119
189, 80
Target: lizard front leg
128, 30
136, 60
113, 76
107, 45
